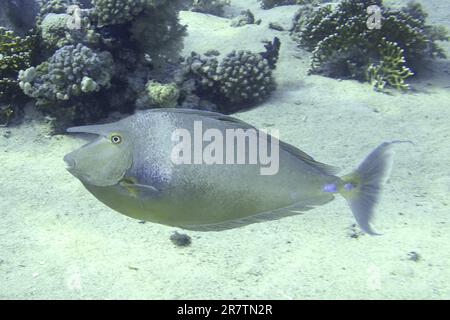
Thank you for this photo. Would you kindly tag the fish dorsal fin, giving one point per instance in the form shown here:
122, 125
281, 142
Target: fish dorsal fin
295, 209
207, 114
299, 154
294, 151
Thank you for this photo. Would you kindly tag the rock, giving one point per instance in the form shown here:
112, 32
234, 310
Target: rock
6, 135
246, 17
180, 239
414, 256
276, 26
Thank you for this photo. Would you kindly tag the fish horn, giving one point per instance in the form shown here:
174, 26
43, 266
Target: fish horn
362, 187
95, 129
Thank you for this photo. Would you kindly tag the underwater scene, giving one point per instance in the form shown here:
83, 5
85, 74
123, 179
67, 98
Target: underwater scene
224, 149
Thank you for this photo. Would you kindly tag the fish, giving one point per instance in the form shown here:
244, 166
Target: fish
130, 167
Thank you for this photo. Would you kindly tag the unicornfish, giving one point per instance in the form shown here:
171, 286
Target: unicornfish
130, 167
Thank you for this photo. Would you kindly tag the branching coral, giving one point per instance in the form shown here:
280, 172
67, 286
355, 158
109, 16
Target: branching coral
344, 46
65, 86
70, 72
241, 79
15, 54
53, 6
61, 29
391, 69
110, 12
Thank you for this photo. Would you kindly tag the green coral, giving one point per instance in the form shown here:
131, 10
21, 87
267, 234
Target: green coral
163, 95
52, 6
344, 47
15, 54
391, 69
54, 28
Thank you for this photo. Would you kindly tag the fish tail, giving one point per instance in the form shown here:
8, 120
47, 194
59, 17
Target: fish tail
362, 187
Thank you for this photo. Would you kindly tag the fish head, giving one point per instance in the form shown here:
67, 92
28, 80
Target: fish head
105, 160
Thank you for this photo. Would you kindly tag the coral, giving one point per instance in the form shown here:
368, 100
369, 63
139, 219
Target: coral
54, 27
214, 7
241, 79
97, 56
245, 77
70, 72
110, 12
391, 69
159, 33
52, 6
15, 54
60, 29
343, 46
163, 95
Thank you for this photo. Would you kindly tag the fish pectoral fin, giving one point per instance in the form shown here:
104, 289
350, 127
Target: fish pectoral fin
136, 189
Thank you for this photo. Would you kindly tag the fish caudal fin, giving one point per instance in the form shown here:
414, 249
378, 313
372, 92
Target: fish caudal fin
362, 187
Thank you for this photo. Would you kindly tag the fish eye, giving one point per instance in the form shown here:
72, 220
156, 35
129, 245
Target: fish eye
116, 139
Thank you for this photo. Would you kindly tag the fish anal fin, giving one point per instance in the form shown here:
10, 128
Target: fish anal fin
293, 210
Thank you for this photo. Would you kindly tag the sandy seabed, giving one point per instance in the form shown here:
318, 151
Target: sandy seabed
59, 242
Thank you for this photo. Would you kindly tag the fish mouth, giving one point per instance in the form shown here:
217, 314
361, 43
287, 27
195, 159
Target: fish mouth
69, 163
